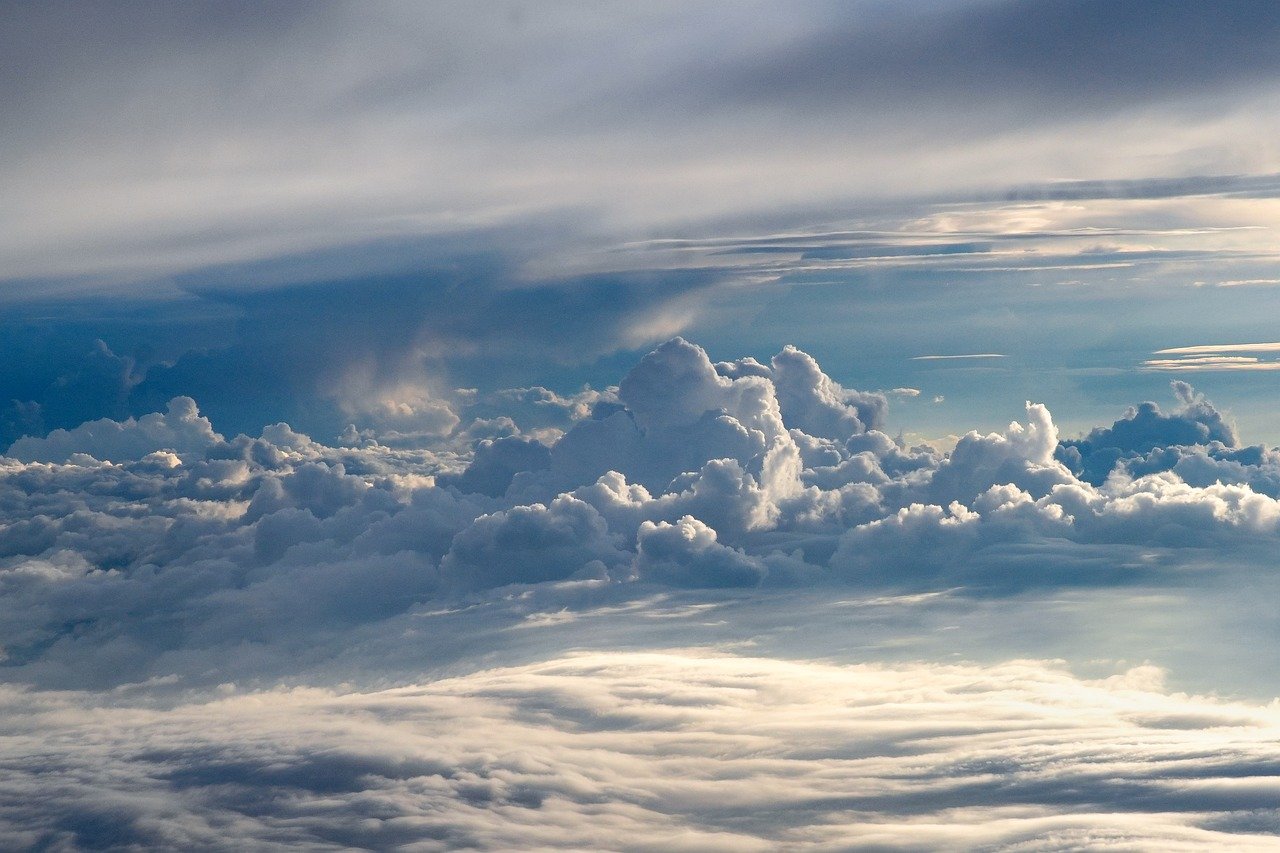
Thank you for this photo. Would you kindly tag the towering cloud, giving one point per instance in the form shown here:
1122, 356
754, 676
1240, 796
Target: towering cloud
155, 555
698, 476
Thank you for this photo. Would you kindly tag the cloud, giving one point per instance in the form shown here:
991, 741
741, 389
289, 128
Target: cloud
496, 463
1213, 357
1144, 429
608, 750
531, 544
403, 238
686, 553
181, 429
816, 405
398, 621
153, 546
1206, 349
457, 121
389, 359
948, 357
1209, 363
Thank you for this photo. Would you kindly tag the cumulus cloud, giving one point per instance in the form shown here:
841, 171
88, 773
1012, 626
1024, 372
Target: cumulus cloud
691, 475
360, 625
145, 562
530, 544
180, 429
1143, 429
686, 553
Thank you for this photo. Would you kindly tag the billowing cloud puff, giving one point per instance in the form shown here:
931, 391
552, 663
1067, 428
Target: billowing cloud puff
676, 415
1021, 456
154, 560
1144, 429
531, 544
693, 475
181, 429
686, 553
814, 404
496, 463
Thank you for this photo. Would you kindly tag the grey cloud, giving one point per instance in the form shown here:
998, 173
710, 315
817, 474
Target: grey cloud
150, 141
496, 462
1079, 56
531, 544
1144, 429
382, 352
686, 553
279, 560
1252, 186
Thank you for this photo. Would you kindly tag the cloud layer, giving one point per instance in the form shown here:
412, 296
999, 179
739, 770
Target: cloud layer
156, 546
162, 141
652, 751
199, 631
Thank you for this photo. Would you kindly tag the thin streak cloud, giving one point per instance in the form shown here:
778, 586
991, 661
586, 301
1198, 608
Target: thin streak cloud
1220, 348
959, 356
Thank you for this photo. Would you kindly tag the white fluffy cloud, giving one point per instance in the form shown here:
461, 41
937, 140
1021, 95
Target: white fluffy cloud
180, 429
692, 474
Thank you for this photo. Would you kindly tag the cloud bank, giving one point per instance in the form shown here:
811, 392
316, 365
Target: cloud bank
182, 616
156, 546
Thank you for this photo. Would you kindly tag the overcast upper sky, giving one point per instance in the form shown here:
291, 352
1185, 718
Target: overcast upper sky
484, 425
175, 173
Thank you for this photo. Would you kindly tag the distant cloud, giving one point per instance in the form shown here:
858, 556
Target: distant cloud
353, 130
1217, 348
961, 356
427, 269
1208, 357
181, 430
1210, 363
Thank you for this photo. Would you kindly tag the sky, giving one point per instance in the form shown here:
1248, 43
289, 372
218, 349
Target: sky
700, 426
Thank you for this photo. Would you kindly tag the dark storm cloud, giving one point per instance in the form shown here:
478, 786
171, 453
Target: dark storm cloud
355, 341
